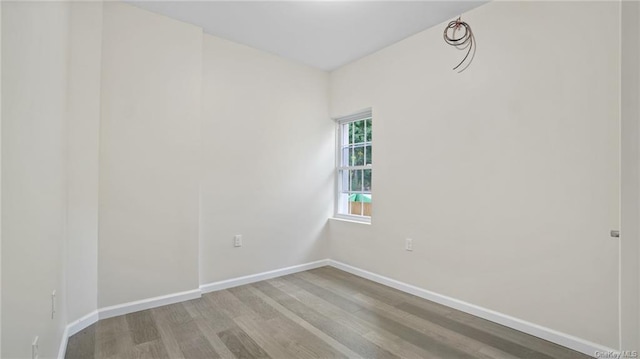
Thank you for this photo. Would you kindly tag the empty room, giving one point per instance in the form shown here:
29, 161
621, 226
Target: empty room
320, 179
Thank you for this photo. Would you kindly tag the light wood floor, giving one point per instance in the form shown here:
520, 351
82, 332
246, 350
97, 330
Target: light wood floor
321, 313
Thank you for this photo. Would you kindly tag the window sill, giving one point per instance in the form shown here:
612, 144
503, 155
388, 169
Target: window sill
352, 220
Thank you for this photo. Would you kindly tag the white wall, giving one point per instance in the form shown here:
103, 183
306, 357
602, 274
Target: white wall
506, 175
83, 130
149, 141
630, 179
34, 84
267, 160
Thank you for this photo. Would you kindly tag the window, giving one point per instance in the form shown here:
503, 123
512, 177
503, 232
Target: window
354, 166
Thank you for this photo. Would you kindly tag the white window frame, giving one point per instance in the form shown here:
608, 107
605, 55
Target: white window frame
340, 121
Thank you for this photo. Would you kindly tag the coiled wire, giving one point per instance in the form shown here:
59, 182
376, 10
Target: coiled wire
465, 41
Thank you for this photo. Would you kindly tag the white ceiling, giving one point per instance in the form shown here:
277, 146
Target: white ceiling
323, 34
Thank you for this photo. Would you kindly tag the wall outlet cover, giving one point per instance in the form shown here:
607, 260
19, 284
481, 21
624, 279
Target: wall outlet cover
408, 245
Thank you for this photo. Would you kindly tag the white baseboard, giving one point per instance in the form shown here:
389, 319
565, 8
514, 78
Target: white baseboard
78, 325
235, 282
131, 307
121, 309
539, 331
74, 327
62, 349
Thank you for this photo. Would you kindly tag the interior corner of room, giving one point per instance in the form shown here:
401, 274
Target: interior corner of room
146, 162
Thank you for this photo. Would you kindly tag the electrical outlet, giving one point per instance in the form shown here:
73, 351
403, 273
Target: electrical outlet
237, 240
408, 244
53, 304
34, 348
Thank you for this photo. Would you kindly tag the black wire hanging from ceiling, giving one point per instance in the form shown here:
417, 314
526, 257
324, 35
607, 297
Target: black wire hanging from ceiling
465, 41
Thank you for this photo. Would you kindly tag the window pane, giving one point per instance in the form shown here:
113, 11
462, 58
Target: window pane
366, 207
357, 156
368, 130
356, 205
357, 129
368, 154
360, 204
366, 180
351, 132
356, 180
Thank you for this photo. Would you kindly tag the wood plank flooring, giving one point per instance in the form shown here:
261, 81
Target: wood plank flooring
321, 313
